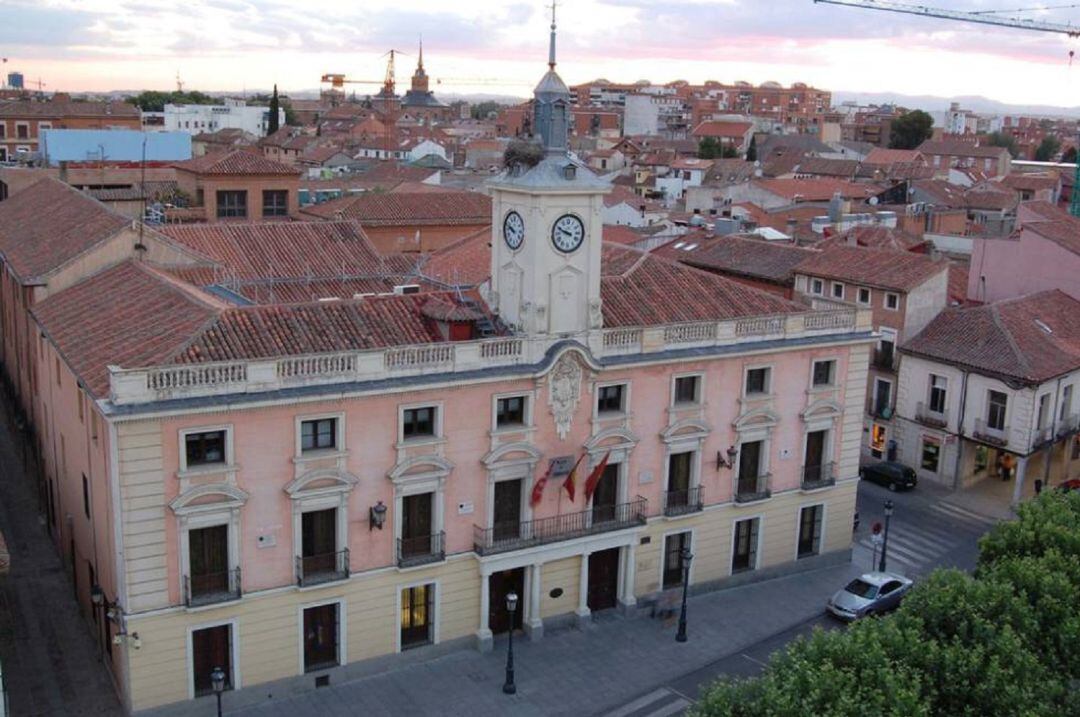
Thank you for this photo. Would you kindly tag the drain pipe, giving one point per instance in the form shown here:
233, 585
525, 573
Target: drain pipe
960, 431
1053, 435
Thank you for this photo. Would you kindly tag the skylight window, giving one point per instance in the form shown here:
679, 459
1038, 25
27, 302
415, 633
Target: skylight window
1044, 327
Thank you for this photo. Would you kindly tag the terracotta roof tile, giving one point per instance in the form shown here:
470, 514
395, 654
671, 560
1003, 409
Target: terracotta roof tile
953, 148
1030, 339
1032, 182
885, 268
880, 155
741, 256
823, 167
236, 162
50, 223
394, 209
725, 130
465, 262
817, 189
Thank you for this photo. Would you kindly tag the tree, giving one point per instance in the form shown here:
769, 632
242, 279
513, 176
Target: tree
708, 148
275, 107
1001, 139
751, 151
155, 101
1070, 156
911, 129
1048, 149
484, 110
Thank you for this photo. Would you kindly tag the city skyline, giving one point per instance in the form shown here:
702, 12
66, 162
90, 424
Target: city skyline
497, 47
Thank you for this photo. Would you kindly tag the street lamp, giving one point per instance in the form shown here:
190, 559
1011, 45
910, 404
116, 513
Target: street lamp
511, 606
687, 556
217, 681
885, 541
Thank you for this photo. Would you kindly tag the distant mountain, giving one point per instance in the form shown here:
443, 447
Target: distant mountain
930, 103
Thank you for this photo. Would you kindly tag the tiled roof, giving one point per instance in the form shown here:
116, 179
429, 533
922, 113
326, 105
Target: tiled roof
880, 155
942, 193
692, 163
958, 282
1030, 339
885, 268
640, 289
752, 258
126, 316
152, 190
823, 167
876, 235
395, 209
960, 149
23, 108
618, 234
236, 162
991, 197
391, 173
719, 128
1032, 182
817, 189
465, 262
50, 223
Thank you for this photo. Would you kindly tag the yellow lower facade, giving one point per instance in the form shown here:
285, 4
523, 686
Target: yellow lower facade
266, 639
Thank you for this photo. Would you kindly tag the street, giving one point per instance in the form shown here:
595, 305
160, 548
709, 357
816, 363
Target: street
926, 531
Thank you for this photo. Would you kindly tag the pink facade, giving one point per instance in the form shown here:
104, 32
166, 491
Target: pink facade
1025, 263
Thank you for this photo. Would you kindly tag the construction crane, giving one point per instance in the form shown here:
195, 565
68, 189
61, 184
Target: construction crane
982, 18
338, 80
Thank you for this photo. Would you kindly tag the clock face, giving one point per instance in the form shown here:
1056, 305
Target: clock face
567, 233
513, 230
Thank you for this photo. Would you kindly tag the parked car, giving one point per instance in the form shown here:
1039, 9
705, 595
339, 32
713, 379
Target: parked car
892, 475
869, 594
1069, 485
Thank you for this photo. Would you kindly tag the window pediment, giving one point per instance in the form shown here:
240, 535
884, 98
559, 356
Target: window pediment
686, 429
321, 480
207, 497
757, 418
420, 468
822, 409
513, 454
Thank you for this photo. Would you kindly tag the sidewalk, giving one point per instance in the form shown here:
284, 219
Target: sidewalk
574, 672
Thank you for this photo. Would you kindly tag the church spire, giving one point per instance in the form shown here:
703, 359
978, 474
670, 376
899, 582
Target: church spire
551, 49
420, 64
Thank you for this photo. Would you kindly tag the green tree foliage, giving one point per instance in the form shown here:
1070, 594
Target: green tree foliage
1001, 642
1048, 149
1069, 156
911, 129
710, 148
483, 110
154, 101
272, 123
1001, 139
751, 151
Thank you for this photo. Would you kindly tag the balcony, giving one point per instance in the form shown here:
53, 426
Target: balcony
323, 568
530, 533
884, 359
422, 550
929, 417
989, 434
879, 408
683, 502
211, 588
748, 490
1068, 425
822, 475
1042, 436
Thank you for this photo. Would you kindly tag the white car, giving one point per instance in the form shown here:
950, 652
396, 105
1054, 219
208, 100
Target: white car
869, 594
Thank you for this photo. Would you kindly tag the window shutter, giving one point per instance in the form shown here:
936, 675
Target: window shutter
753, 542
819, 512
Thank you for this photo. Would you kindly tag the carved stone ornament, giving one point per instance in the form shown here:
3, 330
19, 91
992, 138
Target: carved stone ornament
564, 392
596, 314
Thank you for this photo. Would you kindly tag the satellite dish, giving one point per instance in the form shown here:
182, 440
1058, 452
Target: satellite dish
873, 201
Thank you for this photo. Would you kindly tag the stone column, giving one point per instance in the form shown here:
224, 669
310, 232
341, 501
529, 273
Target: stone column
1018, 484
534, 625
484, 639
583, 611
627, 600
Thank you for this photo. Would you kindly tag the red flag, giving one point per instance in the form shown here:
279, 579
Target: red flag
594, 477
538, 488
569, 483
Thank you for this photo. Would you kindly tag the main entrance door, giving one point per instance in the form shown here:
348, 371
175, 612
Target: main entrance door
500, 585
603, 579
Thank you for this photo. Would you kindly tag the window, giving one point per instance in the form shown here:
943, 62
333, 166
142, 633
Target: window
320, 560
3, 130
824, 373
892, 301
318, 434
744, 552
750, 468
510, 411
757, 381
996, 403
208, 560
1043, 415
609, 399
275, 203
686, 389
938, 388
85, 495
417, 616
79, 400
1066, 402
22, 130
674, 545
321, 627
817, 286
231, 204
418, 422
837, 290
809, 542
864, 296
205, 448
211, 647
931, 455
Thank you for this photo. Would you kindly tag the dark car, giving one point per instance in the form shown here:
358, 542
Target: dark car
893, 476
1069, 485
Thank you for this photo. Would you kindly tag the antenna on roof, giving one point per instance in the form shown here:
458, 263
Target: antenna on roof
139, 246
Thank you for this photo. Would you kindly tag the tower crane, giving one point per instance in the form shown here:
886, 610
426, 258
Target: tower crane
982, 18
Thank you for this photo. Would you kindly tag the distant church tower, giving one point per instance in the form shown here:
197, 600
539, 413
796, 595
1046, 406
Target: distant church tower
420, 78
547, 227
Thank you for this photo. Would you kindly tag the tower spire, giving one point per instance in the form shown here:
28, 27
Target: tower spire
551, 50
420, 64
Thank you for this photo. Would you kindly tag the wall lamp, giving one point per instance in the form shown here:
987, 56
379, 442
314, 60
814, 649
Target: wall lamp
376, 516
732, 452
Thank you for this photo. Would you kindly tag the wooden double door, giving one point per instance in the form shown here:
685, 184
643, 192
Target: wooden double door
500, 585
603, 579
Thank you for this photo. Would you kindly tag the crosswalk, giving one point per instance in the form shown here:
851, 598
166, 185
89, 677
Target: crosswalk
915, 549
661, 702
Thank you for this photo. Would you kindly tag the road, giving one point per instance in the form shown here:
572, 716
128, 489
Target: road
926, 531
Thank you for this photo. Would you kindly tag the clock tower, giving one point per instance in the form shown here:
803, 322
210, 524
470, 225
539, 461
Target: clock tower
547, 226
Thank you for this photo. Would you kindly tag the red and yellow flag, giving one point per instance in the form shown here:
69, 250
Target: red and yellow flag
569, 483
594, 477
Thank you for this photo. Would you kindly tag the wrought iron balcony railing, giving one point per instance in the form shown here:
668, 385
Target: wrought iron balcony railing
682, 502
927, 416
322, 568
821, 475
421, 550
210, 588
526, 534
747, 490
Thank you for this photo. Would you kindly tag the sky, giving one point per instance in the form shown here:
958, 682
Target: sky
500, 46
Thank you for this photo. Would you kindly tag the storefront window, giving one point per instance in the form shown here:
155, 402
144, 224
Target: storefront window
982, 458
931, 455
877, 440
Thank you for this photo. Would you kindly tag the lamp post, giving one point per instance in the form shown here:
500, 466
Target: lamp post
885, 540
511, 606
687, 556
217, 682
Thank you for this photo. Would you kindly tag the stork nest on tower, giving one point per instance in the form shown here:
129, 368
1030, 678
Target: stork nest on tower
522, 156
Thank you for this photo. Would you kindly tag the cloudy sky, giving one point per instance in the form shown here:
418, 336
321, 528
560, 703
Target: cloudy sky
499, 46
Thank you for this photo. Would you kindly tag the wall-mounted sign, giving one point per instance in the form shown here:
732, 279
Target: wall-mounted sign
561, 466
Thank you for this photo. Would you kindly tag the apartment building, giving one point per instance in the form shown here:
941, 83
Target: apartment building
903, 291
237, 185
285, 488
23, 121
982, 382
